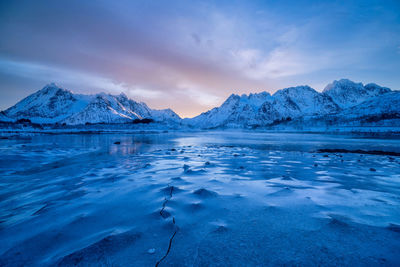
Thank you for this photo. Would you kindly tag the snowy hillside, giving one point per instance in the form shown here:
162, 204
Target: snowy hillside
234, 110
303, 100
53, 104
342, 98
387, 105
50, 104
4, 118
346, 93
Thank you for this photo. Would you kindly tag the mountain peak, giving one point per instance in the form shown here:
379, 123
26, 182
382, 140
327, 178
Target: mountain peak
263, 94
298, 88
233, 96
347, 93
342, 83
50, 90
123, 95
51, 87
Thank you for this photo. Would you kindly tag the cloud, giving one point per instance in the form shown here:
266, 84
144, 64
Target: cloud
199, 95
282, 61
72, 78
145, 93
155, 50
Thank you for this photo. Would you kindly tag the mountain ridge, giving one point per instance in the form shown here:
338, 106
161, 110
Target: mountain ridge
342, 101
53, 104
291, 103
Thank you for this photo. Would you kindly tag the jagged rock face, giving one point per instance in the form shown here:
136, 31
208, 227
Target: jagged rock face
347, 93
289, 103
268, 114
139, 110
53, 104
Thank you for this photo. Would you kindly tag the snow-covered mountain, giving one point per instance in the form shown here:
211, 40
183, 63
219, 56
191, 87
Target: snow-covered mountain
235, 109
340, 98
302, 100
264, 109
53, 104
342, 102
385, 105
347, 93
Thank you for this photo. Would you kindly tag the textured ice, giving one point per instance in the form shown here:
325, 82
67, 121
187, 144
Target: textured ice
242, 199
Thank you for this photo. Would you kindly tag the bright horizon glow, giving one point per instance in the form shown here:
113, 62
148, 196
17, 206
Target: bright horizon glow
191, 56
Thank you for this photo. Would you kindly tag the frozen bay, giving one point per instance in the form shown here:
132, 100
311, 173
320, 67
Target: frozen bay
219, 198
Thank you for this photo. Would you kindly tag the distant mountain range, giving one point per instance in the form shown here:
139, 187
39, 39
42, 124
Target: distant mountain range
342, 103
53, 104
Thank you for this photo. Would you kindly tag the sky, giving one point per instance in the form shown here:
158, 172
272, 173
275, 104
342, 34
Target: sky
191, 55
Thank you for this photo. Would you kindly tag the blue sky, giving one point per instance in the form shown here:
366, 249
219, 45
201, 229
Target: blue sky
191, 55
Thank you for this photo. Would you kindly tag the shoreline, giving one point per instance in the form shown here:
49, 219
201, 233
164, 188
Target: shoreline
362, 131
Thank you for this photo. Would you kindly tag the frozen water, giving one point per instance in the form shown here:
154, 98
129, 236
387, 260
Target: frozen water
198, 199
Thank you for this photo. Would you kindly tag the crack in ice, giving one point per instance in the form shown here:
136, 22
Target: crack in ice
173, 221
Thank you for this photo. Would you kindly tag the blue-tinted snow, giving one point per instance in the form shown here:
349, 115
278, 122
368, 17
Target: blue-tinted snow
224, 198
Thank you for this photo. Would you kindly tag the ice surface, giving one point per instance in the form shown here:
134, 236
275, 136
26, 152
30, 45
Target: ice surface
198, 199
